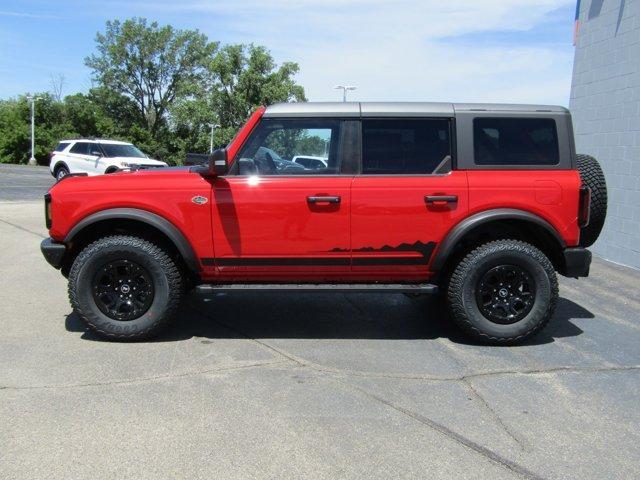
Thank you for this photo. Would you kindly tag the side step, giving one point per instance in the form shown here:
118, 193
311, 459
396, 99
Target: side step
423, 288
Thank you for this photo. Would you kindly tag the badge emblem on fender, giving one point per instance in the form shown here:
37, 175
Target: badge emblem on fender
199, 199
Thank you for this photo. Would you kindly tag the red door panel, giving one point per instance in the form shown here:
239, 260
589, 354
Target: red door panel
394, 230
268, 227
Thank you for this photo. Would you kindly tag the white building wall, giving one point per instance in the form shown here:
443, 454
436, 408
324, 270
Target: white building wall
605, 103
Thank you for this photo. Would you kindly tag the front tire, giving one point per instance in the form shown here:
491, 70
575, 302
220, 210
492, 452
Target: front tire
503, 292
125, 288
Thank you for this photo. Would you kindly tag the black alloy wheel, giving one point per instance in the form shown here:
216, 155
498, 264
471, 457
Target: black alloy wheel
505, 294
123, 290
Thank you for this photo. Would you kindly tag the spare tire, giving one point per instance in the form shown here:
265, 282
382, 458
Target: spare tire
592, 176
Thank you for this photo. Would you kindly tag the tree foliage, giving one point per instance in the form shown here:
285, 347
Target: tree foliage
241, 77
156, 86
150, 64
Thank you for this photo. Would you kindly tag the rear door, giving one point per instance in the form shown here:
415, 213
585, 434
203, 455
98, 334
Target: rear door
400, 208
94, 157
273, 221
78, 158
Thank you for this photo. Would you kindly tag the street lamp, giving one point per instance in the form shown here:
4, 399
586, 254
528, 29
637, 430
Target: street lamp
213, 127
32, 99
344, 89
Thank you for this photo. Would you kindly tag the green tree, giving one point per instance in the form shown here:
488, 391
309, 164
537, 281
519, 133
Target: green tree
243, 77
158, 87
15, 128
152, 65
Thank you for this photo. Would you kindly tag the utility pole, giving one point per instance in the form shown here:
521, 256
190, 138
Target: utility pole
213, 127
344, 89
32, 99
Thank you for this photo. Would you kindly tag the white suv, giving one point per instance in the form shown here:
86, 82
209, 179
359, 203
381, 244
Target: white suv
95, 157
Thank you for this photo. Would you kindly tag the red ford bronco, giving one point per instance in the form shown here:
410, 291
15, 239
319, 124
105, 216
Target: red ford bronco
483, 203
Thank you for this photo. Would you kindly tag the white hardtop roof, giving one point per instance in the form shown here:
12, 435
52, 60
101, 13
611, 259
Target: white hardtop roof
96, 140
404, 109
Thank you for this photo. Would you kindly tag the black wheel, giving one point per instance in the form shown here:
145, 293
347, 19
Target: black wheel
592, 176
125, 287
503, 291
110, 170
61, 172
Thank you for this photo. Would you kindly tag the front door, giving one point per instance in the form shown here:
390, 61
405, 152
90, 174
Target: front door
406, 198
274, 217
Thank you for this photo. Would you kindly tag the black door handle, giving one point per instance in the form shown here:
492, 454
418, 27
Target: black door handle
441, 198
323, 199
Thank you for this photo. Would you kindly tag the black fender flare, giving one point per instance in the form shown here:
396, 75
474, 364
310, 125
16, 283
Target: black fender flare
474, 221
169, 229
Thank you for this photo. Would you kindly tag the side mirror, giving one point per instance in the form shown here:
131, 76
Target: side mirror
96, 153
218, 162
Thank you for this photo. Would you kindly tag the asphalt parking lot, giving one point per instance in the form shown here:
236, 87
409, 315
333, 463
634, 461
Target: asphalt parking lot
19, 183
309, 386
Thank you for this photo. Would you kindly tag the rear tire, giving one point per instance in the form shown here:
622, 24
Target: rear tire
502, 292
592, 176
61, 172
125, 288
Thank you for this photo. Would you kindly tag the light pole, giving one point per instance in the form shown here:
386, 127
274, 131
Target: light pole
32, 99
344, 89
213, 127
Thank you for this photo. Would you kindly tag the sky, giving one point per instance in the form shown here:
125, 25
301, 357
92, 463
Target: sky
516, 51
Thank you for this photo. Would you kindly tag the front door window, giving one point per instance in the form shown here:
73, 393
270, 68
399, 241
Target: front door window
292, 147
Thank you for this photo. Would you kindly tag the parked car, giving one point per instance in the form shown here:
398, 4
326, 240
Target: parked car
311, 162
482, 203
95, 157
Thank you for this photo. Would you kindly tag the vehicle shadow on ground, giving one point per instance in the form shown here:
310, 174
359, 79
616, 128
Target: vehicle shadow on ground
319, 316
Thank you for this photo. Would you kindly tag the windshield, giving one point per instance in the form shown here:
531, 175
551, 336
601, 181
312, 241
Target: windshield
115, 150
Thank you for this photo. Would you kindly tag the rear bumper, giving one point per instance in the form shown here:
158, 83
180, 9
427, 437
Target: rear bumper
53, 252
577, 262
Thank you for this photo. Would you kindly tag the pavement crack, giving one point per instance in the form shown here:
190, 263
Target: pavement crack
22, 228
153, 378
487, 453
498, 419
265, 345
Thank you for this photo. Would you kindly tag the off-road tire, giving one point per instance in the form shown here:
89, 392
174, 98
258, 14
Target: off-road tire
465, 278
165, 275
592, 176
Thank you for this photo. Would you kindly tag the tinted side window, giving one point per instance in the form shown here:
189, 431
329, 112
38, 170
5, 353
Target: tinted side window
292, 147
80, 148
404, 146
515, 141
61, 146
94, 149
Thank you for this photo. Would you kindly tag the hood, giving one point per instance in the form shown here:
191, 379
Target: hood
126, 179
137, 161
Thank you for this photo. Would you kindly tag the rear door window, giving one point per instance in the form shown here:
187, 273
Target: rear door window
404, 146
61, 146
81, 148
515, 141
